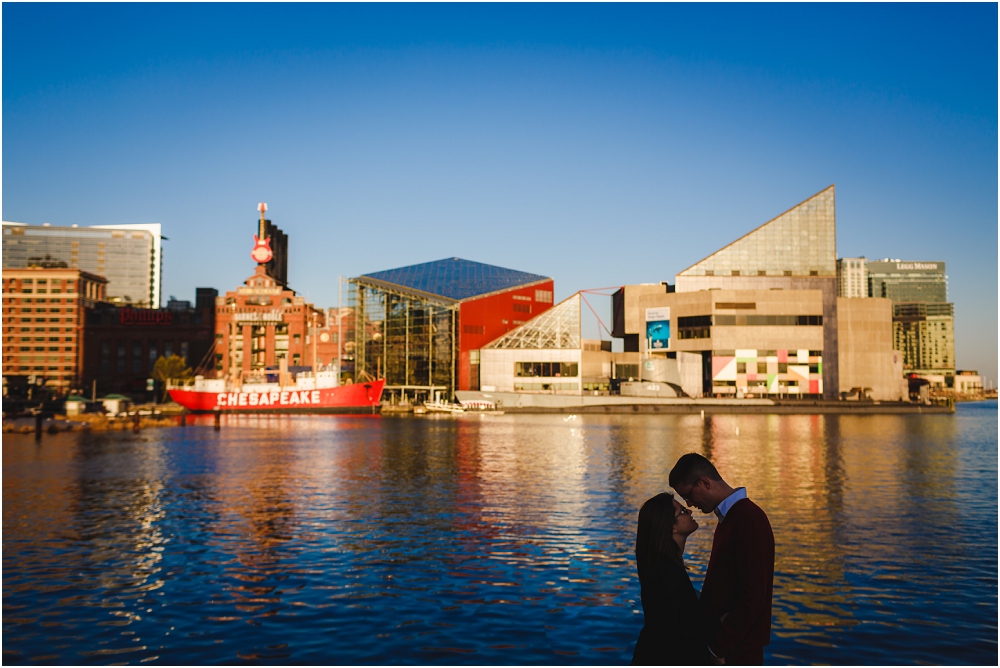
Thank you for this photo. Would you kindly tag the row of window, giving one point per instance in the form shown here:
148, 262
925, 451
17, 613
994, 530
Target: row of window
761, 367
137, 356
546, 369
547, 387
700, 321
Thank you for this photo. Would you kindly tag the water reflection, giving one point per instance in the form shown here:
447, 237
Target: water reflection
484, 539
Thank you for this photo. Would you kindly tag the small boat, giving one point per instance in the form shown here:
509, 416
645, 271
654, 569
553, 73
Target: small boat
442, 407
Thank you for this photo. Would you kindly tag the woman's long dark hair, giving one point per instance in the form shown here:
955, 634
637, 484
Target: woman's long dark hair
654, 536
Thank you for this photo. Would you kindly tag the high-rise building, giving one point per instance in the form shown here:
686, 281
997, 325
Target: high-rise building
129, 256
277, 267
44, 311
925, 333
907, 281
923, 321
852, 277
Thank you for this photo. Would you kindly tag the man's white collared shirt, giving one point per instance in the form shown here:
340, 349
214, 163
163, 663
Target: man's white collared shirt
727, 503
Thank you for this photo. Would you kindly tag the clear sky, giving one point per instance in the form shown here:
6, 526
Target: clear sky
597, 144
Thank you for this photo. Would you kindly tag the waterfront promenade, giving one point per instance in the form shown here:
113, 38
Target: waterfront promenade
484, 539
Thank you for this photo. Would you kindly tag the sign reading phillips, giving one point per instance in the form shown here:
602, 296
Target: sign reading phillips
658, 328
274, 315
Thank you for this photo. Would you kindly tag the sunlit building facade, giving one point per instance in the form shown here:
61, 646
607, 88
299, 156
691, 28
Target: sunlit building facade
44, 312
129, 256
421, 327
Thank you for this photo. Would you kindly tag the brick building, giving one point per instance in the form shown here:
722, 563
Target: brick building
44, 312
261, 323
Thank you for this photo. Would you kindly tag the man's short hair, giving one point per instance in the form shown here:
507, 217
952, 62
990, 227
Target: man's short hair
690, 468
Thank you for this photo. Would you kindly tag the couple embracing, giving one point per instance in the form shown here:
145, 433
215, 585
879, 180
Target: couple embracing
731, 622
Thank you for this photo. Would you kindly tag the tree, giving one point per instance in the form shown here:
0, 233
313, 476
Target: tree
170, 368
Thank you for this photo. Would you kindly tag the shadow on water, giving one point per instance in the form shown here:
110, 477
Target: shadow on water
485, 539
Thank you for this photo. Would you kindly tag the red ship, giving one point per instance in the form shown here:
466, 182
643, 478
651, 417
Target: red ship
307, 395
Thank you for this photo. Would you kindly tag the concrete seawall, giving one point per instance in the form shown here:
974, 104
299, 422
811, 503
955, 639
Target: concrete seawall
516, 402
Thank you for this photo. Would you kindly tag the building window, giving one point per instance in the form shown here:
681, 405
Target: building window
522, 308
121, 358
543, 296
546, 369
471, 329
137, 357
152, 355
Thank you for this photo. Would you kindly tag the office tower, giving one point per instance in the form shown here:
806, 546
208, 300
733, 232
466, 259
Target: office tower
923, 321
907, 281
852, 277
129, 256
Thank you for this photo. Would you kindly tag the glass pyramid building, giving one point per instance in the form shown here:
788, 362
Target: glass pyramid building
800, 242
556, 329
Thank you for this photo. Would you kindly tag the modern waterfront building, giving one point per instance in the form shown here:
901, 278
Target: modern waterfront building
796, 251
129, 256
761, 318
421, 327
852, 277
44, 311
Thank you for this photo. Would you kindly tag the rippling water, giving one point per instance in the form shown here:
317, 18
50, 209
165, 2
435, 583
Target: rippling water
485, 539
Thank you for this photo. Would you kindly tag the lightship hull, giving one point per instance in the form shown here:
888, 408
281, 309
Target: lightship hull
357, 398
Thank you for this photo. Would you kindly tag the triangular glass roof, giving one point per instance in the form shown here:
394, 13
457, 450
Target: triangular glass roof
557, 328
455, 278
802, 241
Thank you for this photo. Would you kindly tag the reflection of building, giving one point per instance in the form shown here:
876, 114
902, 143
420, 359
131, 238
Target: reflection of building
129, 256
852, 277
422, 326
43, 319
122, 343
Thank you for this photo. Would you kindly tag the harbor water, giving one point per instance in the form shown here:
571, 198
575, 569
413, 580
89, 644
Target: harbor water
485, 539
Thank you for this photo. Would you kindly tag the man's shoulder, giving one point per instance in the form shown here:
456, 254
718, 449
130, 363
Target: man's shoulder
747, 510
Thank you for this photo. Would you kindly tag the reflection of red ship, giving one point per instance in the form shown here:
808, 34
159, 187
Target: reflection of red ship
305, 395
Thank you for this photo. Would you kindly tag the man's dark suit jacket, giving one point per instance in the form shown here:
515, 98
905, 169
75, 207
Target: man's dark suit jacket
739, 583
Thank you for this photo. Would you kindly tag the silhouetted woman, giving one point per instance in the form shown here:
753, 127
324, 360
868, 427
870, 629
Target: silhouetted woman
671, 632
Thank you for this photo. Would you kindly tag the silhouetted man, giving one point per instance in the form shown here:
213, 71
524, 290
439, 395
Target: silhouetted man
736, 595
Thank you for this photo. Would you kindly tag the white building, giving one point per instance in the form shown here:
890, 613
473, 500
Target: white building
852, 277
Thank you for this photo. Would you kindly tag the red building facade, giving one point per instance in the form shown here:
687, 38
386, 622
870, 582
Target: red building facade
487, 317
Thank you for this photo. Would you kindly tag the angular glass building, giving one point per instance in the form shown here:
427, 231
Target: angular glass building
421, 326
793, 252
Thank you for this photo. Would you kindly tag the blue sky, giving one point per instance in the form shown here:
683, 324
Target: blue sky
597, 144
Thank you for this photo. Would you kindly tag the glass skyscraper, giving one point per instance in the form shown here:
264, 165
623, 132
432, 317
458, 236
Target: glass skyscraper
129, 256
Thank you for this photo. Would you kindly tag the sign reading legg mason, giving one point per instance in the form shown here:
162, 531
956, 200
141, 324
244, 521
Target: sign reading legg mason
658, 328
